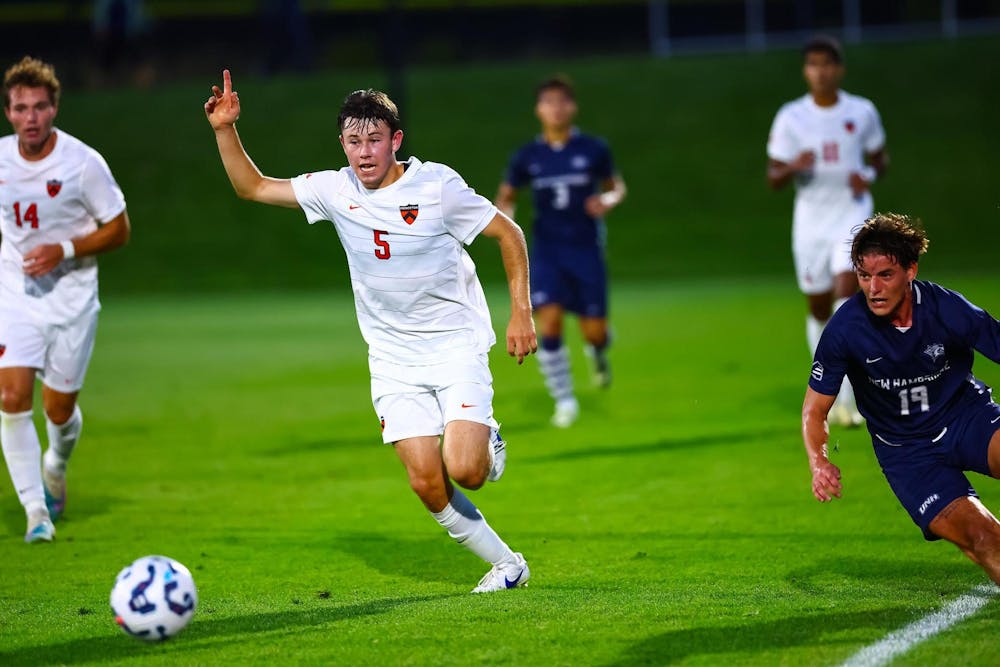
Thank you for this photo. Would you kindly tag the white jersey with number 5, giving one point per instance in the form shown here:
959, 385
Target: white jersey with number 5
57, 198
417, 295
839, 136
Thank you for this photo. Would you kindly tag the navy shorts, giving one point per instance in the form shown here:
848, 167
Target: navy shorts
927, 475
576, 278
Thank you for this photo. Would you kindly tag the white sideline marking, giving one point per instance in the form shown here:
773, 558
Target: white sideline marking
901, 641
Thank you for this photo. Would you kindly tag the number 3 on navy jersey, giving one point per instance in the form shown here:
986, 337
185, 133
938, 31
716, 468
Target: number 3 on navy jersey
561, 199
915, 395
30, 215
382, 251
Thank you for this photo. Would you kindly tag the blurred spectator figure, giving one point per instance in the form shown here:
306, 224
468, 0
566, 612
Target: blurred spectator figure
286, 33
120, 29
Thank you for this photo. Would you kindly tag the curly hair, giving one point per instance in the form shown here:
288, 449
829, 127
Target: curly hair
31, 73
894, 235
368, 107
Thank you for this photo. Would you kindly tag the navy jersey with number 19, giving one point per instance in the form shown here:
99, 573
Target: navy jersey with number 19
561, 179
910, 384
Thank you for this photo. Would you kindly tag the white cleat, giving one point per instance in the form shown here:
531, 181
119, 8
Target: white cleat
506, 575
498, 455
567, 410
40, 528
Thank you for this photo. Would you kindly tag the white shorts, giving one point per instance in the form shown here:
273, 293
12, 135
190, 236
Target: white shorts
59, 353
822, 235
413, 401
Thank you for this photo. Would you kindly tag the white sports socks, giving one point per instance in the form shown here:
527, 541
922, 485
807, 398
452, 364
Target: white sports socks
554, 365
62, 440
814, 329
23, 452
468, 527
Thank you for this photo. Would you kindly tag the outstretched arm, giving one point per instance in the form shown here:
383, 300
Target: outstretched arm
815, 434
521, 339
223, 110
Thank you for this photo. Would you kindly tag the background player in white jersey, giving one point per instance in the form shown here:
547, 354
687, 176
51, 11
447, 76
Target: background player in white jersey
419, 303
832, 145
59, 207
574, 184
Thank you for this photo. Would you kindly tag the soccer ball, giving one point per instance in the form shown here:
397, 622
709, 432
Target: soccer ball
154, 598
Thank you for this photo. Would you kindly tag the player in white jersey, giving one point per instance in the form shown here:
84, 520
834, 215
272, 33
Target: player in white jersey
419, 303
832, 145
59, 208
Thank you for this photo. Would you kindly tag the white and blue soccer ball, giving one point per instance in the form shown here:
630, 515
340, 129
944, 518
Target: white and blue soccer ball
154, 598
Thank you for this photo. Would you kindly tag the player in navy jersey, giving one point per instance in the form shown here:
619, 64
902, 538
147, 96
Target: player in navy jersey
573, 184
907, 346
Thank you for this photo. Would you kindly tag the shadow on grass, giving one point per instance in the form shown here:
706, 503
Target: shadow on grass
83, 505
432, 558
895, 575
739, 439
323, 445
811, 630
202, 634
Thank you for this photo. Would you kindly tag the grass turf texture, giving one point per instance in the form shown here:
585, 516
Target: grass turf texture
672, 525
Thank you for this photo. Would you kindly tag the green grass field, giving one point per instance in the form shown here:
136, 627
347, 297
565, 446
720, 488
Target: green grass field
673, 524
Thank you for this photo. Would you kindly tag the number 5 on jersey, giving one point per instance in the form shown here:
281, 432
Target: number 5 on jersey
382, 246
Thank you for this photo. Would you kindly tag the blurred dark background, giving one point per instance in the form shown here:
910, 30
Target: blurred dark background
683, 90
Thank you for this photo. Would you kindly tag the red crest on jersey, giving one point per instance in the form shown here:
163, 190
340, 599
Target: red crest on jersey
849, 126
53, 187
409, 213
3, 348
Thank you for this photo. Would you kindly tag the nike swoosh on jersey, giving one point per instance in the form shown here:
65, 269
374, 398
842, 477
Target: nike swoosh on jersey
512, 584
468, 405
871, 361
352, 207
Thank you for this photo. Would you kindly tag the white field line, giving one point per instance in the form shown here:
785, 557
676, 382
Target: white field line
901, 641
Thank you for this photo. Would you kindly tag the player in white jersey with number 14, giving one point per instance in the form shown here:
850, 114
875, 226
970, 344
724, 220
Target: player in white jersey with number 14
59, 208
832, 145
419, 303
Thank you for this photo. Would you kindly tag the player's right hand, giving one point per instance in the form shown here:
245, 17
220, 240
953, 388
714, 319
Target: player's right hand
805, 161
826, 481
223, 107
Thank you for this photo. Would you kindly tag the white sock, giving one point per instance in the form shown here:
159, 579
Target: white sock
468, 527
814, 329
62, 440
554, 365
23, 452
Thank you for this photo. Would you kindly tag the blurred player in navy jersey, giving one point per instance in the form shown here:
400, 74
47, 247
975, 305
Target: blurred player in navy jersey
907, 346
832, 145
574, 184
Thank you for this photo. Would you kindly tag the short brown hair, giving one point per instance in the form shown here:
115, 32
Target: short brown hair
369, 106
558, 82
824, 44
894, 235
31, 73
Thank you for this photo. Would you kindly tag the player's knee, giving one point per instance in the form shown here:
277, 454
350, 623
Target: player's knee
469, 477
984, 541
13, 399
59, 412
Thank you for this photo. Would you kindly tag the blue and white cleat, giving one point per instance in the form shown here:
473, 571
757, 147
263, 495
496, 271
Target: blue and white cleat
498, 455
514, 574
55, 493
40, 528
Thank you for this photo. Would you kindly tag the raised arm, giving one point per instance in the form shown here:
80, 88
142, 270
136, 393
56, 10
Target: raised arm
521, 339
223, 110
815, 434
